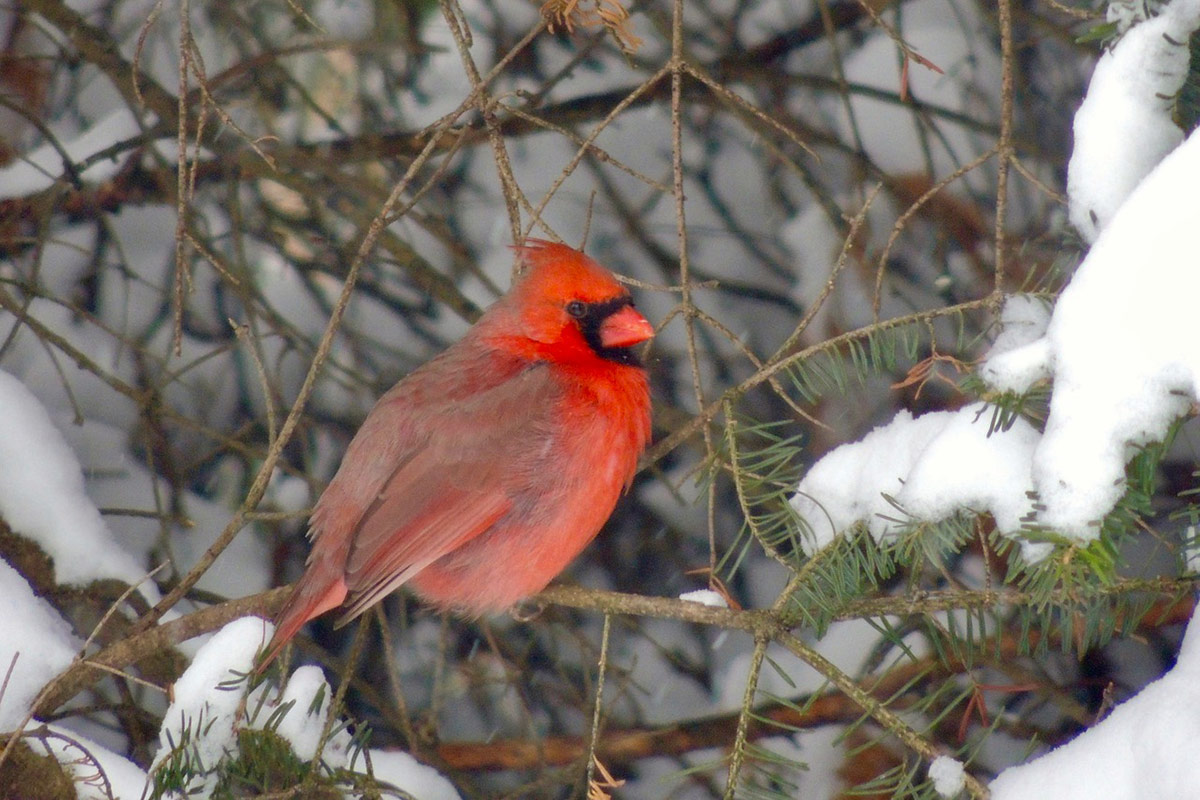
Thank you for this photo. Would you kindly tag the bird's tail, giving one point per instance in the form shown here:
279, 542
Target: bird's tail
320, 589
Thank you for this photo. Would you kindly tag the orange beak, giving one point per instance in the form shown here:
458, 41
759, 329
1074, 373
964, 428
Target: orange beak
624, 328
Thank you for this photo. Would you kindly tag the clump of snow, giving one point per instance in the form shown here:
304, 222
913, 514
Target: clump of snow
932, 467
1023, 320
309, 695
947, 776
705, 597
97, 772
211, 704
1120, 346
1127, 13
1124, 127
40, 640
302, 725
207, 698
44, 500
1144, 749
1019, 369
409, 775
1021, 345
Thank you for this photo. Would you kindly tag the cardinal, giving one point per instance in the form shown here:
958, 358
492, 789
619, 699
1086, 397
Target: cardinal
476, 479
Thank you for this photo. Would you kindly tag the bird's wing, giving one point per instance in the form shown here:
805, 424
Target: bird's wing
477, 458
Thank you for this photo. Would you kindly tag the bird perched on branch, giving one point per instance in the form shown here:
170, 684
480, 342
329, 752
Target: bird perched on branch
476, 479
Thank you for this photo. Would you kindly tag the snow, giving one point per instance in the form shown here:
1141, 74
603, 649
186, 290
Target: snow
1143, 750
98, 773
932, 467
705, 597
1127, 13
947, 776
409, 775
45, 500
1019, 369
61, 389
1120, 347
207, 700
302, 725
211, 705
1116, 387
42, 642
1020, 348
1023, 320
1129, 100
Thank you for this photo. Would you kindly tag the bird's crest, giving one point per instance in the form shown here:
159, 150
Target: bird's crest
561, 272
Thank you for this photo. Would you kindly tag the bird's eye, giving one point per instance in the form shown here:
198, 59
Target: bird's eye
576, 309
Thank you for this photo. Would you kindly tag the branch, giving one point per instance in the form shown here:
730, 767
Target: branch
85, 672
805, 712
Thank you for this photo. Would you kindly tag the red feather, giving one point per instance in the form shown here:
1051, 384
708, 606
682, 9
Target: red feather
480, 476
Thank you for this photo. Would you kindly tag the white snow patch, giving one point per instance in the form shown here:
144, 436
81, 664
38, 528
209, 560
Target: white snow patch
98, 773
947, 776
931, 466
302, 725
705, 597
44, 499
1124, 128
41, 641
208, 696
1121, 347
1023, 320
409, 775
1143, 750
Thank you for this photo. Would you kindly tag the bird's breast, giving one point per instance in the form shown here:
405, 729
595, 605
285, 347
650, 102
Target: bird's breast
565, 483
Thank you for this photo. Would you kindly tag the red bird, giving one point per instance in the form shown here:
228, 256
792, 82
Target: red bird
478, 478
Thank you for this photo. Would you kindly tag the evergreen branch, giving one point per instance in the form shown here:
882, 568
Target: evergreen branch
120, 655
747, 715
775, 718
686, 430
882, 714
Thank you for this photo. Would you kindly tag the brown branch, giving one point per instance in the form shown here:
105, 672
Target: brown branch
140, 185
97, 47
120, 655
806, 712
631, 744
